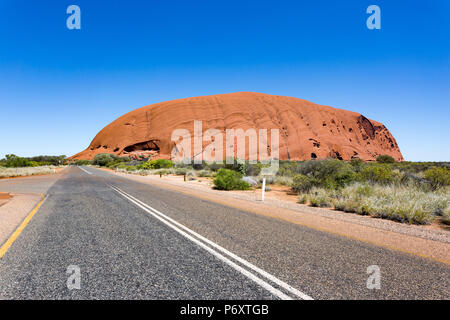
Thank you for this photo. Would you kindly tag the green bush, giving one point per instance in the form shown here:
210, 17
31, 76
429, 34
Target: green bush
214, 166
438, 177
13, 161
356, 163
302, 183
340, 179
159, 164
288, 168
321, 169
330, 173
103, 159
227, 179
82, 162
381, 174
238, 166
384, 158
252, 169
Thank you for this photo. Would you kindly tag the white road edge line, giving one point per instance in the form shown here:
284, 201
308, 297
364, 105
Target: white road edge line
84, 170
249, 265
224, 259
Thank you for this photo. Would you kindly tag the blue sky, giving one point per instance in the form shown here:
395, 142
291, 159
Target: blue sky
59, 87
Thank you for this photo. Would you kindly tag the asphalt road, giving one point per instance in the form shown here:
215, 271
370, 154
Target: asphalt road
136, 241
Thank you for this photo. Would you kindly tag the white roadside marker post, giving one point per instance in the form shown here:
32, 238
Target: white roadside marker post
263, 189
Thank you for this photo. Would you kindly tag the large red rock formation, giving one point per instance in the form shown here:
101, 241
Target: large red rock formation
307, 130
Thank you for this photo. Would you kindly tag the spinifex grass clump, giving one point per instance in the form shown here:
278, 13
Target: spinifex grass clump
27, 171
393, 202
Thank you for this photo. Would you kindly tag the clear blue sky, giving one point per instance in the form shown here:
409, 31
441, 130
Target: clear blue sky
59, 87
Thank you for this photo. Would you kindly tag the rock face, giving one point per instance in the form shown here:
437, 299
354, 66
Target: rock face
306, 130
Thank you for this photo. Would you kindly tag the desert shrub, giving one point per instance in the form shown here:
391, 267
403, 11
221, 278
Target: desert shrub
252, 169
130, 168
237, 165
103, 159
205, 173
49, 160
287, 169
320, 198
82, 162
356, 164
341, 178
213, 166
302, 183
384, 158
199, 166
321, 169
159, 164
415, 181
363, 190
229, 180
284, 180
13, 161
329, 173
303, 198
446, 216
438, 177
381, 174
37, 164
162, 172
181, 171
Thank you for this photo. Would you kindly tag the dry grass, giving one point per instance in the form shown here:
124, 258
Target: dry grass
394, 202
27, 171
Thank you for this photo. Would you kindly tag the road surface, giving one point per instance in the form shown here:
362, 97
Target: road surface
136, 241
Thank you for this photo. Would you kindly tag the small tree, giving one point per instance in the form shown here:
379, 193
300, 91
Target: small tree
384, 158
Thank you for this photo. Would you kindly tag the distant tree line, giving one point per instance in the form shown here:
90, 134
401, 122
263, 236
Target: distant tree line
13, 161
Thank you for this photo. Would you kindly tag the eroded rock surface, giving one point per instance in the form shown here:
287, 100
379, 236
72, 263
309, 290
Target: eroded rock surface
307, 130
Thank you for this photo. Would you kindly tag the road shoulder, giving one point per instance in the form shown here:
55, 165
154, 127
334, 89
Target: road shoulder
14, 212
